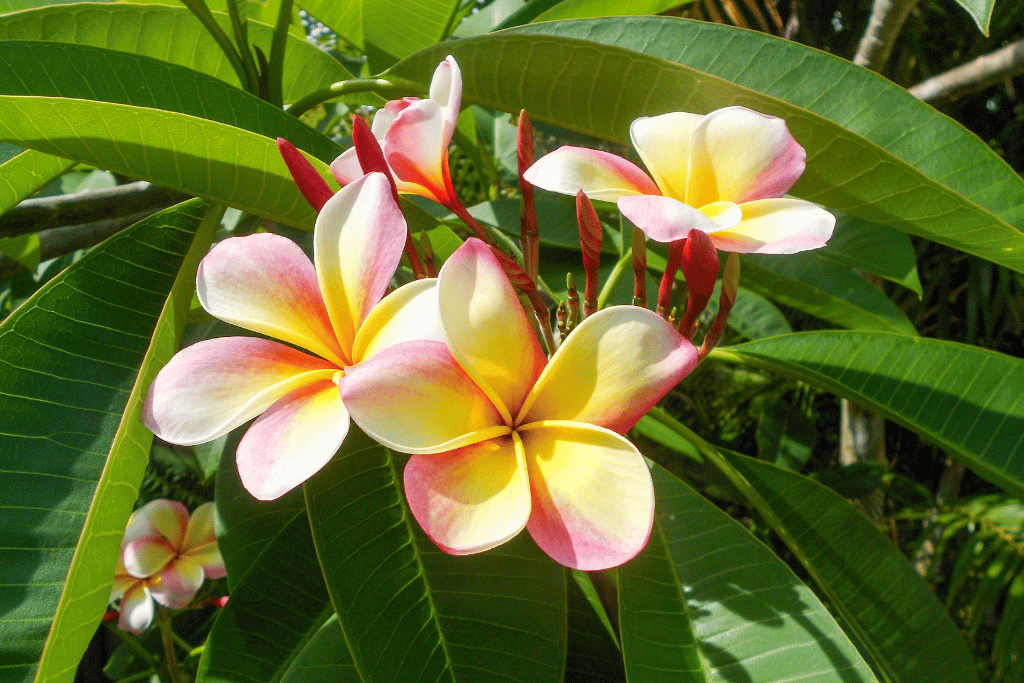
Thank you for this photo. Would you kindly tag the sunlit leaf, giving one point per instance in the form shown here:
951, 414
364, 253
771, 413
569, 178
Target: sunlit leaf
76, 360
410, 612
599, 89
963, 398
581, 9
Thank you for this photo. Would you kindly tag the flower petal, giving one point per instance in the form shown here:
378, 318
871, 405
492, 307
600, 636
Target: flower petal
610, 371
178, 584
167, 518
200, 544
473, 498
601, 175
777, 226
136, 609
292, 440
593, 499
665, 219
446, 90
749, 156
357, 244
409, 313
415, 398
664, 143
488, 331
208, 555
416, 148
213, 386
146, 556
265, 283
346, 167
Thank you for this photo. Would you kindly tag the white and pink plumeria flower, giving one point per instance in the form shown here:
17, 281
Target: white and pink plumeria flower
266, 284
503, 439
415, 134
165, 557
724, 173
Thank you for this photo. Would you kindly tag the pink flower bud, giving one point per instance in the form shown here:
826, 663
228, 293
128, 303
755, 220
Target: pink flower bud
369, 152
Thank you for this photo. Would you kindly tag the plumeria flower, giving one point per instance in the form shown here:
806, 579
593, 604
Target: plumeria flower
415, 135
502, 439
266, 284
724, 173
165, 557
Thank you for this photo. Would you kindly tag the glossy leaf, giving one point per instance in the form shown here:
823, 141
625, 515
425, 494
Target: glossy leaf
324, 659
410, 612
594, 654
171, 34
53, 70
278, 599
963, 398
980, 11
582, 9
77, 359
557, 221
825, 289
599, 89
875, 249
711, 582
204, 158
23, 176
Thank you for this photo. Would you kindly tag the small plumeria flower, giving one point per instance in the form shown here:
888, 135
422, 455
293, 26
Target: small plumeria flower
165, 557
502, 439
724, 173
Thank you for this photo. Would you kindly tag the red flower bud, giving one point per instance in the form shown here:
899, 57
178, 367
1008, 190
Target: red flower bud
311, 184
369, 153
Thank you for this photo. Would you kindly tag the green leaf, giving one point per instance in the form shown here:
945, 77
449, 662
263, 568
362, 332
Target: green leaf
875, 249
324, 659
75, 361
171, 34
57, 70
410, 612
594, 655
371, 25
278, 597
582, 9
940, 182
824, 289
980, 11
26, 174
195, 156
885, 606
752, 618
785, 435
558, 227
963, 398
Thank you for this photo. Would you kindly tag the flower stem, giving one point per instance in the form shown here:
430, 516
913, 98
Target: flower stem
613, 278
167, 636
380, 86
142, 653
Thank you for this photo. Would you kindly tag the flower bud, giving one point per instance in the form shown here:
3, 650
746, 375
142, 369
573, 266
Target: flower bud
311, 184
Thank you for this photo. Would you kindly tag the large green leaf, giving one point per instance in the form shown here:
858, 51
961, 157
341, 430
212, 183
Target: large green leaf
825, 289
75, 361
854, 97
387, 30
324, 659
705, 579
279, 601
171, 34
593, 655
60, 70
599, 89
410, 612
875, 249
965, 399
580, 9
189, 154
893, 615
980, 11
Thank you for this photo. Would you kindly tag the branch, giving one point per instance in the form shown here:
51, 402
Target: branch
887, 18
42, 213
977, 74
62, 241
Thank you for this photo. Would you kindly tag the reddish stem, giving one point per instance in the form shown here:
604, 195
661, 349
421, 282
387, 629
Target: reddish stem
675, 257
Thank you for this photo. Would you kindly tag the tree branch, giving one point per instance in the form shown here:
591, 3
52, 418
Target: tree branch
975, 75
43, 213
887, 19
61, 241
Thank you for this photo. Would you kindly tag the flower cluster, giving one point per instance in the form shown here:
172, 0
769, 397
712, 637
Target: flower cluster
504, 434
165, 557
